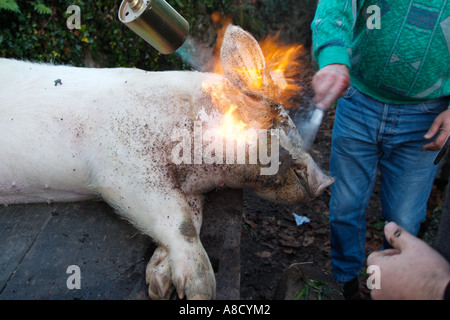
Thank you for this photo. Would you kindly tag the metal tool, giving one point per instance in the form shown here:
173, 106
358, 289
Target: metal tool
156, 22
308, 130
443, 151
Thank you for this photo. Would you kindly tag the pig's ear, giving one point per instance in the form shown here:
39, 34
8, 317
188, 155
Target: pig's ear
242, 60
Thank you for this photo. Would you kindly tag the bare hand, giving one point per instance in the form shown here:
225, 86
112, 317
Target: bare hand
413, 270
442, 123
330, 84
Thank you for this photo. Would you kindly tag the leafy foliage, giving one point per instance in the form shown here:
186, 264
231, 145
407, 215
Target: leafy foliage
10, 5
314, 289
40, 7
37, 31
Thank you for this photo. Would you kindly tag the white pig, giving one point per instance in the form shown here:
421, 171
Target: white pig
72, 134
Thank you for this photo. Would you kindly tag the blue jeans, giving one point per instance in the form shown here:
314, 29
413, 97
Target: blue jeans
371, 136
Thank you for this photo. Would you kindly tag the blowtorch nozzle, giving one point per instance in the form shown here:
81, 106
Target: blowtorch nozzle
308, 130
156, 22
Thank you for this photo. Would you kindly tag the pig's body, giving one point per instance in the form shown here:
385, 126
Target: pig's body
58, 142
99, 134
107, 133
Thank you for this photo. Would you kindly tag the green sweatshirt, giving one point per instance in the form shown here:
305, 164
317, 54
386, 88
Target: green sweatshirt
397, 51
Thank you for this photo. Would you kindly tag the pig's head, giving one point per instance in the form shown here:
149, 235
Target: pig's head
295, 177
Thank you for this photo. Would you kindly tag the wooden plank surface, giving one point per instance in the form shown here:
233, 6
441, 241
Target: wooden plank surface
39, 242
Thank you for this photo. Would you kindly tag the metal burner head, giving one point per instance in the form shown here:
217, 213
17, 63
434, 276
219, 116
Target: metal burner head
156, 22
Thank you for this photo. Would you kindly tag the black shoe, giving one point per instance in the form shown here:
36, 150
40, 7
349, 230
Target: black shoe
351, 289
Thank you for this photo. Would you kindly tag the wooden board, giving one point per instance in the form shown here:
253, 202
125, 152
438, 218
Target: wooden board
39, 242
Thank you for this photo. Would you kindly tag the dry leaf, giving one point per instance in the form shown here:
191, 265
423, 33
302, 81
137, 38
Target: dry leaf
307, 241
250, 223
291, 244
264, 254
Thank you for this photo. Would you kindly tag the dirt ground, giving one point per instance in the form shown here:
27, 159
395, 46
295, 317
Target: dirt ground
276, 253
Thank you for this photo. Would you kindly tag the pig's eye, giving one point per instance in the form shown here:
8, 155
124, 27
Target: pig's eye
301, 173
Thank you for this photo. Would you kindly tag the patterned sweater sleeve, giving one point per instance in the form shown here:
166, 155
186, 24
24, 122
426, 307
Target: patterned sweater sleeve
332, 31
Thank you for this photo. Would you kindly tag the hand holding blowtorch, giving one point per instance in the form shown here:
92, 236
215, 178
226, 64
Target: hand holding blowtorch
329, 83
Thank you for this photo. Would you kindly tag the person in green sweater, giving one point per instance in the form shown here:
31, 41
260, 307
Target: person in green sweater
388, 64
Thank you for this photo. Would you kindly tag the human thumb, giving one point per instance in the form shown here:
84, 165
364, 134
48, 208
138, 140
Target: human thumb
398, 237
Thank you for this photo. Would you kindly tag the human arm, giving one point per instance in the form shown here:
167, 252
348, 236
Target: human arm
330, 84
332, 35
412, 270
442, 124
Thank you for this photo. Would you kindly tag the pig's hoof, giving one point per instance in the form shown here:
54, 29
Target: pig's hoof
158, 275
192, 274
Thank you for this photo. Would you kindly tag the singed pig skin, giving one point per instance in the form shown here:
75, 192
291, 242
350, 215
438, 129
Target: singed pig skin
108, 133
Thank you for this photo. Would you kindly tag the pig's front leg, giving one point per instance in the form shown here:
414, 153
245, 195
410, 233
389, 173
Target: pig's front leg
192, 273
165, 214
158, 273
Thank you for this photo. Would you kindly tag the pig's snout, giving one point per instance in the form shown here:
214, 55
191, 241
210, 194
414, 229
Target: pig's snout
316, 180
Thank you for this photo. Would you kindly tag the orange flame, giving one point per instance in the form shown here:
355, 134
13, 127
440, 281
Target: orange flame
282, 61
282, 65
233, 128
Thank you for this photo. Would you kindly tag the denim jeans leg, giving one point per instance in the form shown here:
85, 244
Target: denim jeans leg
354, 165
369, 135
407, 171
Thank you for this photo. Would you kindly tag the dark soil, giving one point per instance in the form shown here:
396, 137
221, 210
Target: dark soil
272, 242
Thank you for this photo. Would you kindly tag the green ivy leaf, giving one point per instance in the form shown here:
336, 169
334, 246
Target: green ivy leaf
10, 5
41, 8
180, 4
